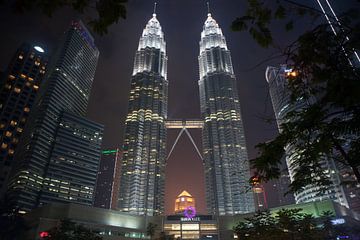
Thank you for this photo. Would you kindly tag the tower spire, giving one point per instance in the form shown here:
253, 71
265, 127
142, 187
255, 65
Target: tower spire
154, 13
208, 7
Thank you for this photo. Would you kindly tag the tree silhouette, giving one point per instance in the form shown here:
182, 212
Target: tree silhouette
108, 11
288, 224
326, 78
68, 230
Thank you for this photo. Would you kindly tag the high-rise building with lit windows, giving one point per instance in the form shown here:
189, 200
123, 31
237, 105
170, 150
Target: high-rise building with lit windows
282, 104
18, 90
226, 164
108, 179
143, 162
58, 155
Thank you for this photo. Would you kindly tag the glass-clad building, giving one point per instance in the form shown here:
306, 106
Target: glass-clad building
46, 150
143, 163
108, 179
227, 169
280, 97
22, 80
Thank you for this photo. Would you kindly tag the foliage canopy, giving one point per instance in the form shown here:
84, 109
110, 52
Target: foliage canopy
327, 80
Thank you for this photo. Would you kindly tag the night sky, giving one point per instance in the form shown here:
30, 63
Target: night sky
182, 22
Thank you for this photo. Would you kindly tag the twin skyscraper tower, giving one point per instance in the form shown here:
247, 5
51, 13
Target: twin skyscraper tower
225, 160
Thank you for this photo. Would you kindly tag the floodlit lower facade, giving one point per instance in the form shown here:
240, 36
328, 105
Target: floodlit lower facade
59, 152
280, 97
115, 225
141, 190
226, 164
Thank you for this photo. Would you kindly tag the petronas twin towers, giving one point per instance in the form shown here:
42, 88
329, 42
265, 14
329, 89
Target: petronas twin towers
226, 164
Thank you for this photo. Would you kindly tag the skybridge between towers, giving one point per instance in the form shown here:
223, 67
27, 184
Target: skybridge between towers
180, 124
184, 125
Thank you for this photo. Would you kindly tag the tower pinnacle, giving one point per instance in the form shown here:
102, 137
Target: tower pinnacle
154, 13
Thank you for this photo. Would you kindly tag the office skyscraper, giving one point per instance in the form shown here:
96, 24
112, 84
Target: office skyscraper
227, 170
280, 97
143, 163
21, 84
58, 155
108, 178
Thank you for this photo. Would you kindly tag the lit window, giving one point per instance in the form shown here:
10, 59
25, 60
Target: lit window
8, 134
11, 77
23, 75
17, 90
30, 79
37, 63
2, 125
19, 129
28, 84
182, 199
15, 140
36, 87
11, 151
26, 109
4, 145
13, 123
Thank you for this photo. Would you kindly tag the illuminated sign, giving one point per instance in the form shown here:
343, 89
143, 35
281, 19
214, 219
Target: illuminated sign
338, 221
109, 151
190, 212
44, 234
193, 219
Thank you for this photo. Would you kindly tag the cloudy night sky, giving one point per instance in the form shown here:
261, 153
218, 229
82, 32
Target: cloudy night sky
182, 22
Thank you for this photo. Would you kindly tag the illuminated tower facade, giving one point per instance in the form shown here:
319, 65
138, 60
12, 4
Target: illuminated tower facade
108, 179
58, 155
282, 104
227, 170
183, 201
143, 162
24, 75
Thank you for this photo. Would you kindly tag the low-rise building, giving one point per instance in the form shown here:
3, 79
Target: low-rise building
114, 225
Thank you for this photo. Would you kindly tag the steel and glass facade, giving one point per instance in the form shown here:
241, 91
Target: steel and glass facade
21, 84
74, 161
108, 178
280, 97
143, 162
66, 89
226, 164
